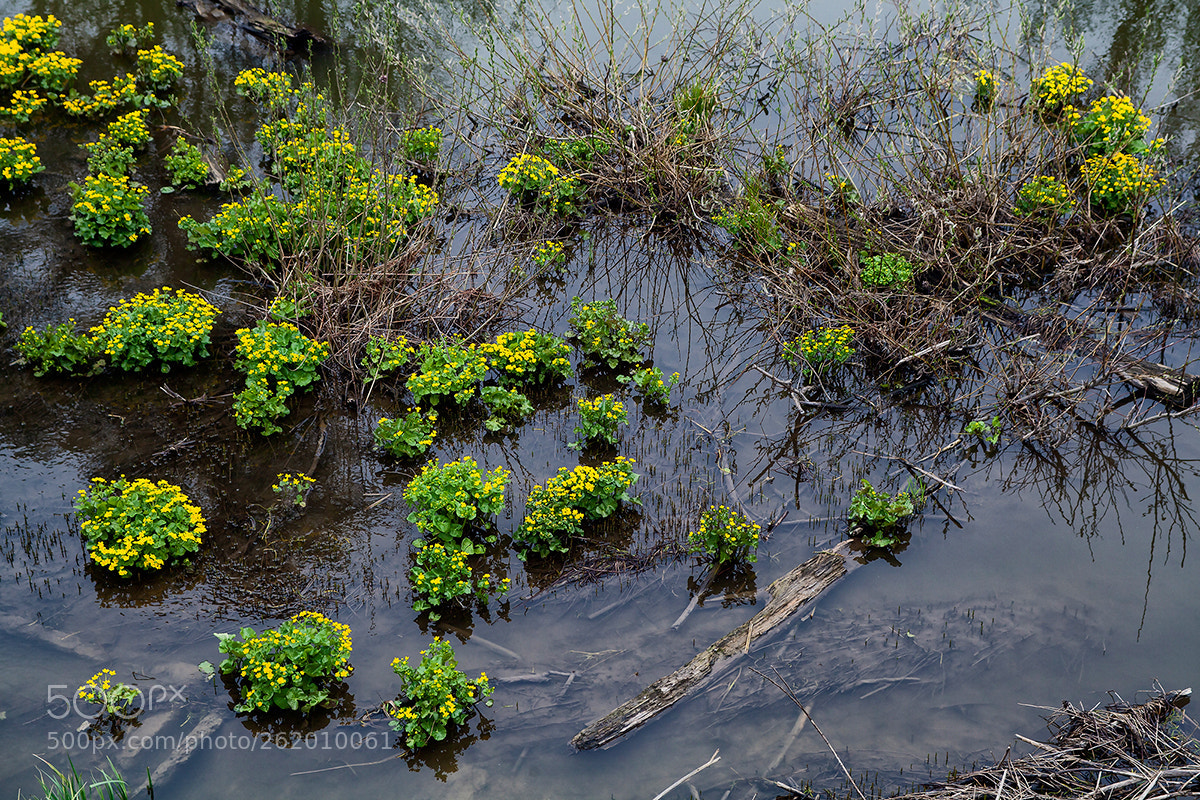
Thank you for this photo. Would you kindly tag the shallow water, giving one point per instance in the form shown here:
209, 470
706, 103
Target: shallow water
1046, 586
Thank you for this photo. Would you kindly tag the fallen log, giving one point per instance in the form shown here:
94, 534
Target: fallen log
300, 38
791, 594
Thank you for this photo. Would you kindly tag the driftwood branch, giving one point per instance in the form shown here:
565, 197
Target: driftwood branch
791, 594
300, 38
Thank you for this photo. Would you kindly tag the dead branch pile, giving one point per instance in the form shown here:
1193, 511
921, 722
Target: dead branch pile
1119, 752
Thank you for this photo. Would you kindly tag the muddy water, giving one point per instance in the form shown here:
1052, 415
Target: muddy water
1038, 584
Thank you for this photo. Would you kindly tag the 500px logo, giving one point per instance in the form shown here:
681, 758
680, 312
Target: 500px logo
131, 702
80, 740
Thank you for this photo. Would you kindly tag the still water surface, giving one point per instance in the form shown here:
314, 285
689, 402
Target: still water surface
1058, 585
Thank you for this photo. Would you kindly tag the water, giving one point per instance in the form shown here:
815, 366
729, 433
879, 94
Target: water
1060, 583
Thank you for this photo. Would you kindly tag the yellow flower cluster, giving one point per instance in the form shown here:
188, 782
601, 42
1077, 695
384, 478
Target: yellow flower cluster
725, 535
137, 524
1058, 84
407, 436
289, 666
555, 513
449, 497
1112, 123
818, 350
18, 161
598, 420
535, 180
108, 210
437, 695
158, 69
106, 96
1044, 194
272, 88
548, 253
528, 357
23, 105
31, 32
129, 129
447, 369
1119, 182
54, 71
169, 326
104, 690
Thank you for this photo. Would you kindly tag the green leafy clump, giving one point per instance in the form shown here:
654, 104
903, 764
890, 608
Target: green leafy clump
1120, 183
449, 369
528, 358
277, 360
753, 225
578, 151
650, 383
885, 271
1057, 85
506, 407
1112, 124
985, 430
128, 38
442, 575
272, 89
820, 350
158, 71
19, 162
129, 130
137, 525
107, 157
554, 514
724, 536
878, 516
448, 498
605, 337
1043, 196
534, 181
108, 210
106, 97
844, 191
164, 327
598, 421
985, 90
422, 145
293, 488
382, 356
294, 666
548, 254
436, 695
58, 349
254, 229
185, 164
111, 695
406, 436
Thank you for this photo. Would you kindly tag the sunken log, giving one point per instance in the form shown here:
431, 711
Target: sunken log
299, 38
790, 595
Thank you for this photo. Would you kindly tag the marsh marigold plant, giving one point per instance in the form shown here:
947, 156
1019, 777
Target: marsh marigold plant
166, 327
137, 525
724, 535
434, 695
294, 666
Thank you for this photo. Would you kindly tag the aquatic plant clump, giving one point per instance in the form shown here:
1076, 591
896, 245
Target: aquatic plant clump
22, 106
106, 96
653, 388
442, 575
554, 514
19, 162
157, 70
876, 515
128, 38
535, 181
1112, 124
165, 327
113, 696
273, 89
985, 89
277, 360
1058, 84
724, 535
1120, 183
506, 407
58, 349
434, 695
422, 145
818, 351
449, 369
293, 488
605, 337
884, 271
528, 358
382, 356
109, 211
185, 164
407, 436
1044, 196
449, 497
294, 666
137, 525
598, 421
